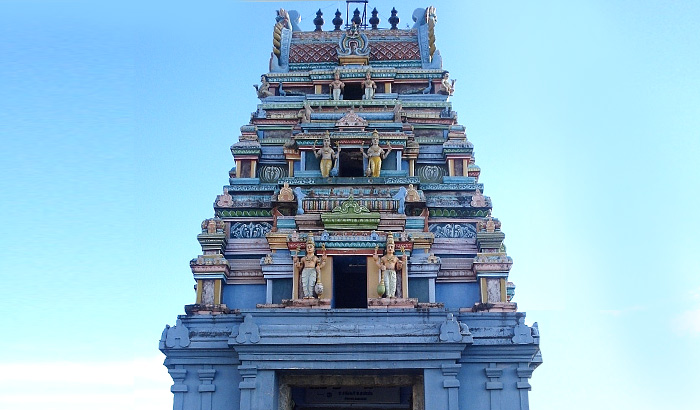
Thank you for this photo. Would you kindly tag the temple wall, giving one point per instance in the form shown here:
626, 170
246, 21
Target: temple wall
244, 296
457, 295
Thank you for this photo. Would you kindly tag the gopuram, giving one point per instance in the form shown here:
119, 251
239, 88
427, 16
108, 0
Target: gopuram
352, 261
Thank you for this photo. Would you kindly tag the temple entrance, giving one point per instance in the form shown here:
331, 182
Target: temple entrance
352, 397
347, 392
349, 282
351, 164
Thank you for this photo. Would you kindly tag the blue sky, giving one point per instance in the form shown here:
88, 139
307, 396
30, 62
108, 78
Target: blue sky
116, 121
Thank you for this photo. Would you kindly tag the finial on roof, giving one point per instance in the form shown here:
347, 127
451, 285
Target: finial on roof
374, 20
337, 21
394, 19
356, 19
318, 21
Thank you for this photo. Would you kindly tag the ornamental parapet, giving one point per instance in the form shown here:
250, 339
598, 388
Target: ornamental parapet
497, 262
489, 241
341, 181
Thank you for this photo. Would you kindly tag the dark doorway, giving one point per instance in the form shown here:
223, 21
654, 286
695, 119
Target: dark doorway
350, 163
349, 282
352, 92
353, 397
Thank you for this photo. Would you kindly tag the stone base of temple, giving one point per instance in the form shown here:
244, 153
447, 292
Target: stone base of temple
305, 303
197, 309
492, 307
380, 303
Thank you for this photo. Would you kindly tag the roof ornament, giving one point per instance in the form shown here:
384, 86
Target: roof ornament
431, 18
353, 47
356, 18
281, 22
338, 20
285, 23
351, 122
394, 19
425, 20
374, 20
318, 21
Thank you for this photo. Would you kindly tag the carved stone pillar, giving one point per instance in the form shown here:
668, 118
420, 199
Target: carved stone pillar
494, 385
450, 382
207, 387
179, 388
247, 386
524, 373
442, 387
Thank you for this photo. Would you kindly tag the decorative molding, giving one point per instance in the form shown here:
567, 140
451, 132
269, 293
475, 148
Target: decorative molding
430, 173
453, 230
248, 331
177, 336
241, 230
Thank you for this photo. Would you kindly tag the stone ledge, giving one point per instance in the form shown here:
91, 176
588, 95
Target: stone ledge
306, 303
378, 303
197, 309
492, 307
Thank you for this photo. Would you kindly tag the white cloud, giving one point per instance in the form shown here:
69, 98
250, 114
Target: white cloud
688, 322
136, 384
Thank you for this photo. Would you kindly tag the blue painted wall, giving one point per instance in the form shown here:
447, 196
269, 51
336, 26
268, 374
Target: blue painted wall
457, 295
243, 296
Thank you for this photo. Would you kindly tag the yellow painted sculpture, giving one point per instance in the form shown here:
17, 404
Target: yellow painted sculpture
375, 154
327, 155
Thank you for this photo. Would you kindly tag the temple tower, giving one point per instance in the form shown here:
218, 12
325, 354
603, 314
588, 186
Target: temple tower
352, 260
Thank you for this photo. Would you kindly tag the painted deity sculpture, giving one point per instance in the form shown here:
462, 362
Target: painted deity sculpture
412, 194
397, 111
264, 88
311, 266
286, 193
327, 155
388, 265
447, 86
375, 155
369, 86
337, 87
305, 113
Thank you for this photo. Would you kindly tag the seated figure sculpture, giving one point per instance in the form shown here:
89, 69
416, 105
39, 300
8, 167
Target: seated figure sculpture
375, 155
312, 266
263, 89
447, 86
389, 264
327, 155
304, 114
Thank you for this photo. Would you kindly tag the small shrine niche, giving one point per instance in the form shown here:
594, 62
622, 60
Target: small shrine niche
246, 152
458, 152
246, 167
458, 167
